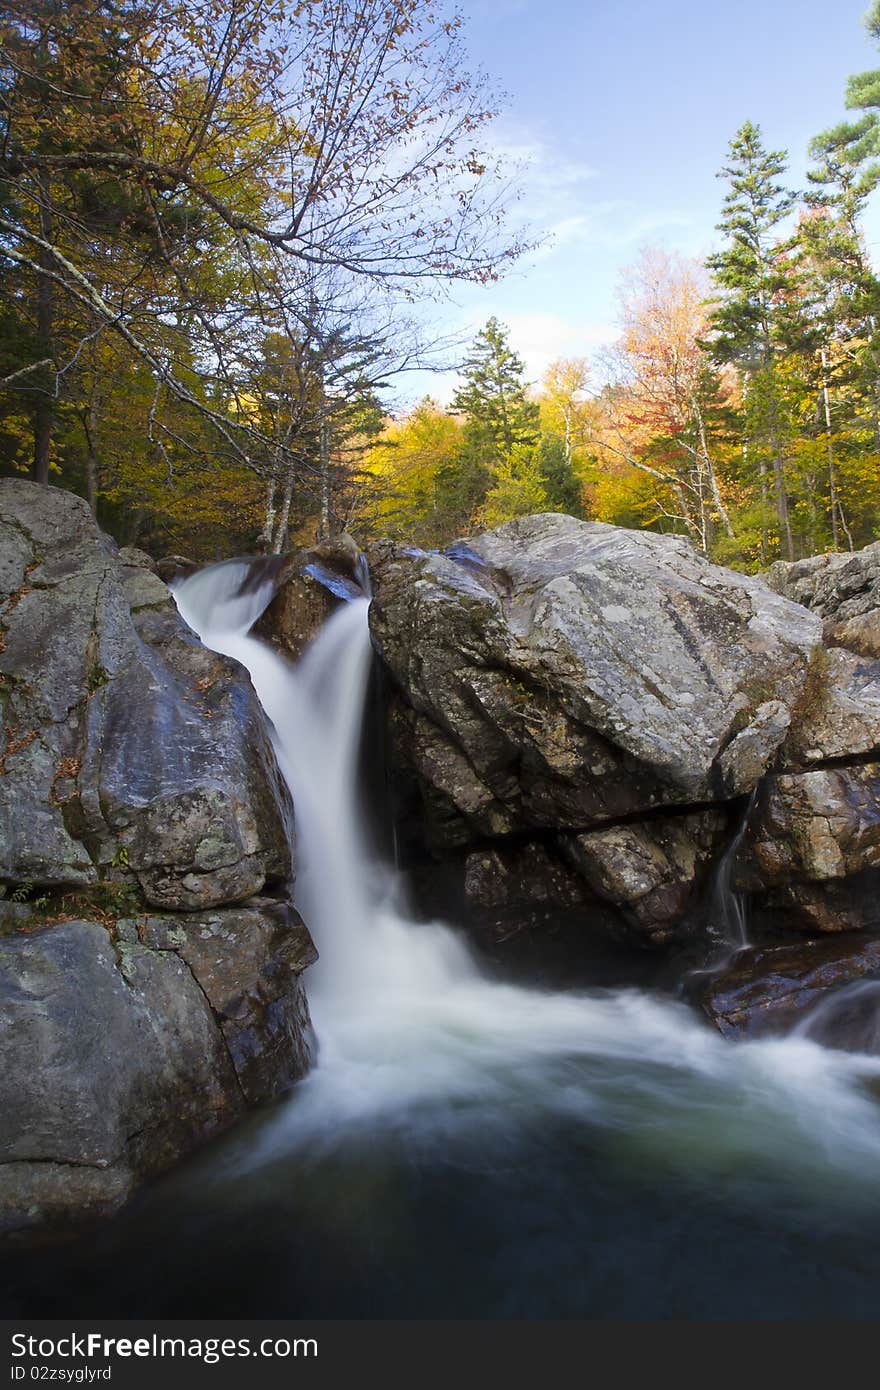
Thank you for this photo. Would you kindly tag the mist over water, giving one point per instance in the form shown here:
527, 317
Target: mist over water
414, 1040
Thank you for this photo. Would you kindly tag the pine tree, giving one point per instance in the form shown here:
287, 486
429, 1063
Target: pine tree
751, 321
493, 397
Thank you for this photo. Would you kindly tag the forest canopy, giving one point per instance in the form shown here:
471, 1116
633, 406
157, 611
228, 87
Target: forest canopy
217, 221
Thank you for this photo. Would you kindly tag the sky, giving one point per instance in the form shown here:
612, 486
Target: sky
622, 112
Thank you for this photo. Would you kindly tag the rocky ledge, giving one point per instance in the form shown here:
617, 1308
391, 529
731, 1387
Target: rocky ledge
586, 716
149, 959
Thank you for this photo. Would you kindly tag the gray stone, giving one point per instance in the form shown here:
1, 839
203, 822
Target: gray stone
817, 825
746, 759
652, 871
120, 1056
248, 962
566, 673
843, 588
842, 717
129, 748
111, 1061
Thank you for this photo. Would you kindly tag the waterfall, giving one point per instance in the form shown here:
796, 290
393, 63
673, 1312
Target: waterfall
727, 924
414, 1039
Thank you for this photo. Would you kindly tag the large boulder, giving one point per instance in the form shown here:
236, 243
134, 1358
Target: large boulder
566, 673
122, 1050
608, 693
147, 996
130, 749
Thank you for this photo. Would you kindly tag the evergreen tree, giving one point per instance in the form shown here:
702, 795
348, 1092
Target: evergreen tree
752, 320
562, 488
493, 397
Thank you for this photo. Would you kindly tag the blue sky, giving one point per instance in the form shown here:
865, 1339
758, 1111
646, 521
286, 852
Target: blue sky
622, 113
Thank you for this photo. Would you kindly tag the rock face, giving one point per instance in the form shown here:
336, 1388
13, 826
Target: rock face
844, 589
147, 996
121, 1051
610, 689
127, 743
573, 673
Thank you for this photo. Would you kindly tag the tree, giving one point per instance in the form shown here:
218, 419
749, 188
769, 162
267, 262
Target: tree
563, 489
404, 465
662, 413
492, 397
565, 406
518, 489
184, 179
749, 320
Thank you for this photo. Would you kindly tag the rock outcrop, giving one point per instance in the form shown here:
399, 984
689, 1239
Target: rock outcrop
780, 988
615, 698
843, 588
128, 745
609, 689
310, 584
124, 1049
148, 994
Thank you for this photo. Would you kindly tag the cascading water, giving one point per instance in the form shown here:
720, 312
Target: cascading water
467, 1148
726, 921
409, 1028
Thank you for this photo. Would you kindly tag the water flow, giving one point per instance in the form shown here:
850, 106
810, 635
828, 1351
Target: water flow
415, 1041
727, 922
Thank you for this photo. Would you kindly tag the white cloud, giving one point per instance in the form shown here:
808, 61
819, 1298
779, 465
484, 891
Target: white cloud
558, 200
540, 338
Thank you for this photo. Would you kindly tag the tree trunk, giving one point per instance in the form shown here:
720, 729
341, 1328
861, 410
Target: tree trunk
779, 477
88, 416
267, 534
782, 500
280, 539
713, 478
44, 412
762, 472
832, 473
324, 527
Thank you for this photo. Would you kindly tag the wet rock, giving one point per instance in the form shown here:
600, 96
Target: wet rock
130, 750
774, 990
173, 567
515, 876
120, 1056
831, 906
311, 584
814, 826
248, 962
112, 1063
652, 871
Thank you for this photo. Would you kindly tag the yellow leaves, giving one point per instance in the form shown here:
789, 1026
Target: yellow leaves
623, 496
403, 466
517, 490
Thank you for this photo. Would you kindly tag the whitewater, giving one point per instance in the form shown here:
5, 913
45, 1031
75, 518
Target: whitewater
413, 1038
